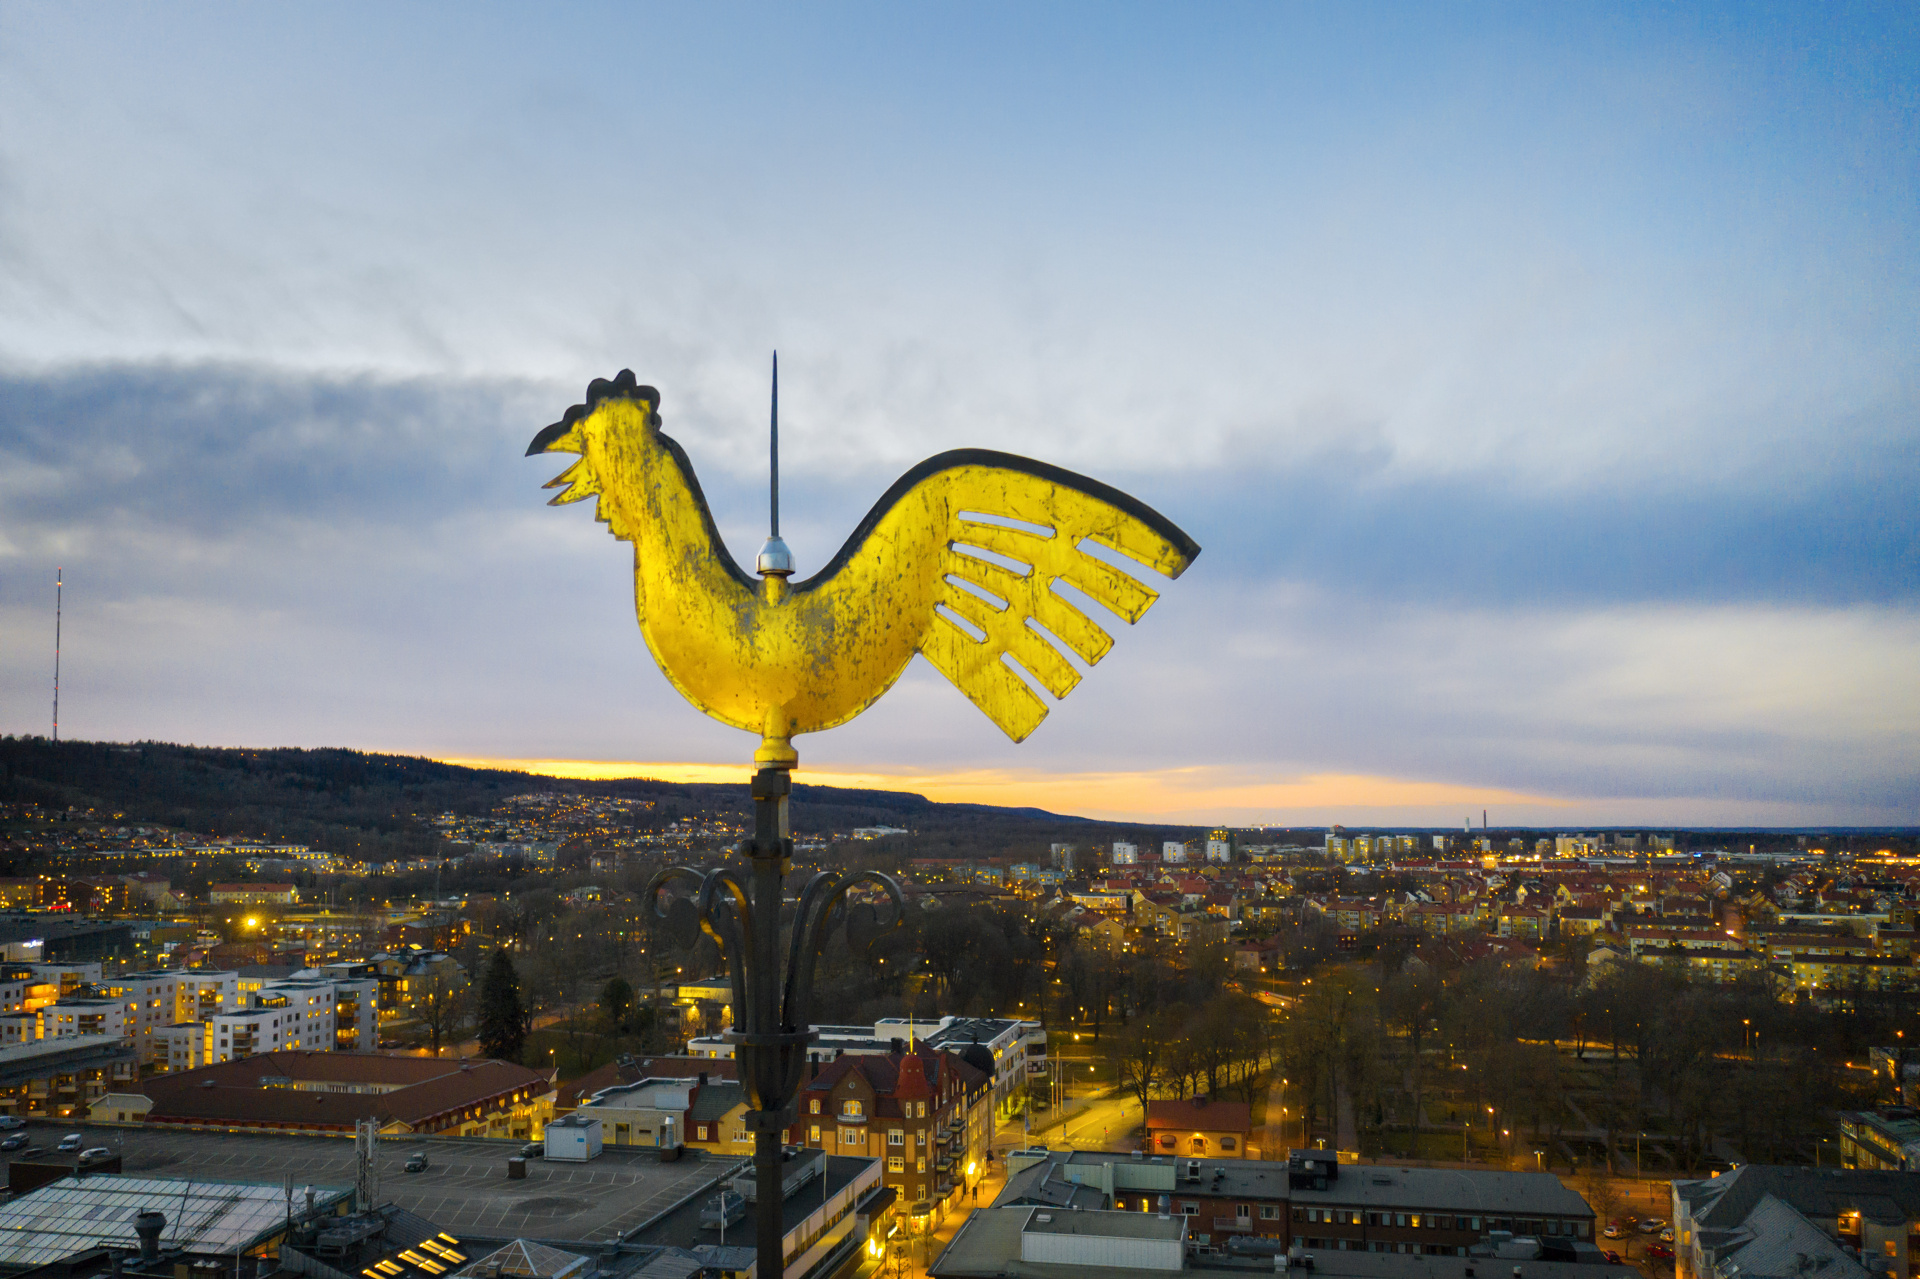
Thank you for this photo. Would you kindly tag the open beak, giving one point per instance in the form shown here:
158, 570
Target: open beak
561, 437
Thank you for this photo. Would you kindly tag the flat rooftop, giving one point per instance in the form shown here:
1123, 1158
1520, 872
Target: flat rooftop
1488, 1191
987, 1246
1106, 1225
465, 1192
64, 1217
682, 1229
1394, 1265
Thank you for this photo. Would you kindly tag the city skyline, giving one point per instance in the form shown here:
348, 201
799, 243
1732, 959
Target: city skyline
1540, 384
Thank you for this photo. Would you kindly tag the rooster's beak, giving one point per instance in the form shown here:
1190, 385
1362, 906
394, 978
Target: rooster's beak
561, 437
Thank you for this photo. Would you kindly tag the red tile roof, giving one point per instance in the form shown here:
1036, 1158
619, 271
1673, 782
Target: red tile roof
1199, 1115
425, 1093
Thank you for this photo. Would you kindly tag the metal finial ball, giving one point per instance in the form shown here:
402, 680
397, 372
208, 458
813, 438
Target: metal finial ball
774, 559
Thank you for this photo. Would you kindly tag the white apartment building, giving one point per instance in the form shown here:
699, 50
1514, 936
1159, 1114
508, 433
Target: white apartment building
1173, 852
270, 1025
178, 1019
309, 1011
1219, 850
68, 977
85, 1015
181, 1047
1125, 854
22, 990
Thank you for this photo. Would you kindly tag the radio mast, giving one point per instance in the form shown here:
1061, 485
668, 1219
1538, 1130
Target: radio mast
56, 652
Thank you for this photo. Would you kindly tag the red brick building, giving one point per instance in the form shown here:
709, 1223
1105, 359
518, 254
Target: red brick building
926, 1115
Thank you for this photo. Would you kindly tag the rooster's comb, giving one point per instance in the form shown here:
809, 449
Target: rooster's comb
622, 387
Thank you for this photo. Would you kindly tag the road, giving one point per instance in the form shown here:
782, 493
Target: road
1099, 1123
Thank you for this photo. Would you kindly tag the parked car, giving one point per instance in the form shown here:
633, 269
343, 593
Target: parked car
95, 1155
1666, 1236
1650, 1225
15, 1142
1659, 1252
1612, 1231
1613, 1258
9, 1122
533, 1150
72, 1141
417, 1162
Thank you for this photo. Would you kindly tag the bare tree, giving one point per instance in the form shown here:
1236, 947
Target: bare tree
1138, 1057
443, 1005
1596, 1186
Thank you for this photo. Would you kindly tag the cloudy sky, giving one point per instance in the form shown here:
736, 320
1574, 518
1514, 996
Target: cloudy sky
1540, 382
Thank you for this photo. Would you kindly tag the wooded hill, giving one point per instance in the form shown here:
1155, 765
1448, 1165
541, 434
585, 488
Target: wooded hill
375, 807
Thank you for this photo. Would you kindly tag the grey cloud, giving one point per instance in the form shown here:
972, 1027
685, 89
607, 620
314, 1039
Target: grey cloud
259, 556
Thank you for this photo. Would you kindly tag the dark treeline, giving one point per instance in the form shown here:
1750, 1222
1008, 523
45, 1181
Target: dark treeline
370, 807
1641, 1056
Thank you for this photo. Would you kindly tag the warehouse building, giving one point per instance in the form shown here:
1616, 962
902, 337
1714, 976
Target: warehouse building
327, 1093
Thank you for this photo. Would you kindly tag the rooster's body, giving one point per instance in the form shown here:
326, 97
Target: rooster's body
777, 659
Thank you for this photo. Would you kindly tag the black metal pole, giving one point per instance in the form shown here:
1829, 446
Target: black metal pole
772, 1002
764, 1060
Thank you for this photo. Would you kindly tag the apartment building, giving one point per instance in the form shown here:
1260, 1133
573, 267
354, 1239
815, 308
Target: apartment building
159, 999
306, 1012
179, 1019
1017, 1049
1873, 1213
23, 989
60, 1078
253, 894
927, 1114
406, 976
1888, 1138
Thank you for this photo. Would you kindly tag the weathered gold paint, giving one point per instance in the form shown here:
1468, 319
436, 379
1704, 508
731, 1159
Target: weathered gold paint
780, 659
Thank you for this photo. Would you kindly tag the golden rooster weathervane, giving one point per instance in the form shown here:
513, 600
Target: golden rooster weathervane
958, 562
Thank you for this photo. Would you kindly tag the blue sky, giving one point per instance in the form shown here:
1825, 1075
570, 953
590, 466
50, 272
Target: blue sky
1541, 382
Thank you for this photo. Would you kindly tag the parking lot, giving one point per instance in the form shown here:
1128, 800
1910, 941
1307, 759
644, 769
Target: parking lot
465, 1191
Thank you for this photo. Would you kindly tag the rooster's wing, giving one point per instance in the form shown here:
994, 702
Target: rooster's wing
1006, 533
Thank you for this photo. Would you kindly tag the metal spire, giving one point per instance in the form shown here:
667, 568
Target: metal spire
773, 444
775, 560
